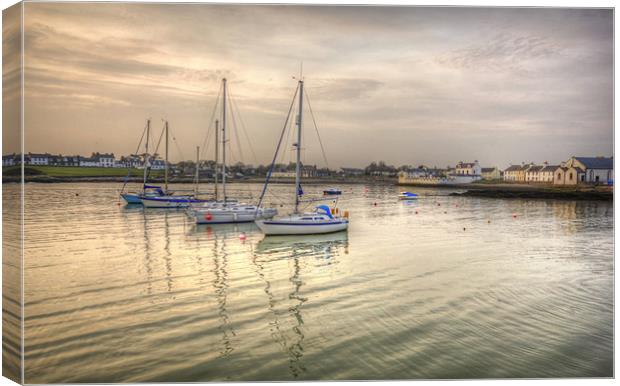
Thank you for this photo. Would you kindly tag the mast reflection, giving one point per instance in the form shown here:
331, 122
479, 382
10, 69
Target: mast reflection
274, 249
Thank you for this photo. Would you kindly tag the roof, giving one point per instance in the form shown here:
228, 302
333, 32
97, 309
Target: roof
465, 165
596, 162
102, 155
488, 170
550, 168
514, 168
39, 155
535, 168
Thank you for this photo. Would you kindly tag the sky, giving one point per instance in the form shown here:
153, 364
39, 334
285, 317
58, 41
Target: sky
406, 85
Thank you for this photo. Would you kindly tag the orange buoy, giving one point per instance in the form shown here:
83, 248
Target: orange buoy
242, 236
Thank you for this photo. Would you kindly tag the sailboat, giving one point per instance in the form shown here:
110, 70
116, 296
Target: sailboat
321, 220
147, 190
166, 200
226, 211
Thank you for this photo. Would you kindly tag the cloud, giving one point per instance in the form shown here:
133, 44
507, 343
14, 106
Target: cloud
504, 52
405, 84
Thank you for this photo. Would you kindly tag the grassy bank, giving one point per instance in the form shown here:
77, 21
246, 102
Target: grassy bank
58, 174
74, 171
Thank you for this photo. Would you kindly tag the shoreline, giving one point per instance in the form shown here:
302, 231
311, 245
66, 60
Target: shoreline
483, 190
189, 180
527, 191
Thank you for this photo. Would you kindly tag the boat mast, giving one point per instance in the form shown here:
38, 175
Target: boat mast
224, 140
146, 151
166, 163
298, 163
217, 158
197, 168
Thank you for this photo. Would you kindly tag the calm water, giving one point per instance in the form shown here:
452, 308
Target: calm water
443, 288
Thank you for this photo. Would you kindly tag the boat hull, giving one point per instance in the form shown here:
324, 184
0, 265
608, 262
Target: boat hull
279, 227
132, 198
227, 216
169, 203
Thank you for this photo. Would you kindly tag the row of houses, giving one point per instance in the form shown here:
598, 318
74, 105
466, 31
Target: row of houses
576, 170
462, 171
101, 160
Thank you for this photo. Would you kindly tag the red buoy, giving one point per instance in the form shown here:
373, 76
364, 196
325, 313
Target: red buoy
208, 216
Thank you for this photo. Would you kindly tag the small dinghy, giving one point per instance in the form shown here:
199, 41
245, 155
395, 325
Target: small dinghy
332, 192
407, 196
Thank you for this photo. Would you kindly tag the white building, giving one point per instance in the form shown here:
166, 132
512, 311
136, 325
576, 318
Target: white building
38, 159
105, 160
466, 172
468, 168
545, 175
532, 174
10, 160
596, 170
158, 164
283, 174
98, 160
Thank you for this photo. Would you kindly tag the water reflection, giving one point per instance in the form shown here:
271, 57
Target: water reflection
220, 285
115, 293
326, 246
287, 328
147, 255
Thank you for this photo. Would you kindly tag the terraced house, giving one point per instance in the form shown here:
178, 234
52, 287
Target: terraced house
516, 173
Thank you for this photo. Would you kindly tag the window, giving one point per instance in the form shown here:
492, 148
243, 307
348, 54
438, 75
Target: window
559, 176
570, 176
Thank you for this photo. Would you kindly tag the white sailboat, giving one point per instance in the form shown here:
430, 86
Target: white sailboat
321, 219
226, 211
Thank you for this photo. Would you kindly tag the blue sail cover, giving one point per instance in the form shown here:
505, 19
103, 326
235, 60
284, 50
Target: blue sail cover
300, 192
326, 210
156, 188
